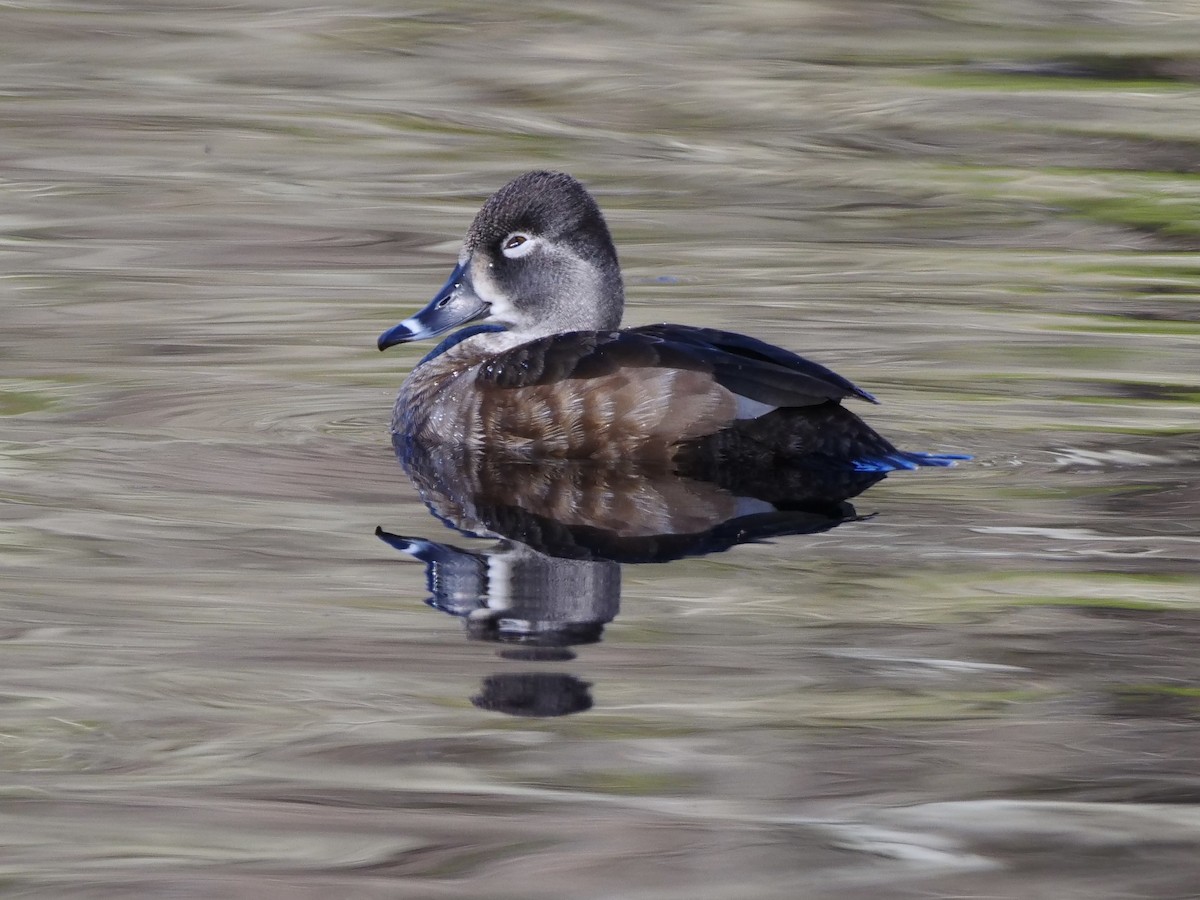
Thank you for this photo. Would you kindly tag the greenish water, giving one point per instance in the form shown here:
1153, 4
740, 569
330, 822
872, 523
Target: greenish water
216, 680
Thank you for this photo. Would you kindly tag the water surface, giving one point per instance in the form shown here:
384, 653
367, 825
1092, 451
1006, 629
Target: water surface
218, 682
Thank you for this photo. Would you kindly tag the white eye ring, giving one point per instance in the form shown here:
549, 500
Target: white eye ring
518, 244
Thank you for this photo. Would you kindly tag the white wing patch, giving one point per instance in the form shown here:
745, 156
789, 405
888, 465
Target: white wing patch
751, 409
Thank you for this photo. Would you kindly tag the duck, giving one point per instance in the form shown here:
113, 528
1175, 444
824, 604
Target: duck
537, 365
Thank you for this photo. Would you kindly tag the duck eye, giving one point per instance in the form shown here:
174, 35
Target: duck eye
517, 245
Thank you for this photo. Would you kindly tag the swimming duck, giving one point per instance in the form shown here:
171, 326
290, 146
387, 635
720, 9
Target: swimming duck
547, 371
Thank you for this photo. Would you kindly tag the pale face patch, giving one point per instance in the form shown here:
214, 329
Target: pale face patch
489, 292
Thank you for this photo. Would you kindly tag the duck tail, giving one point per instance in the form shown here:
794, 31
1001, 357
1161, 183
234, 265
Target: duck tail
826, 436
897, 460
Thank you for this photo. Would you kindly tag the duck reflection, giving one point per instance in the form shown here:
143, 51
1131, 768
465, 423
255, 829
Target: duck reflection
563, 529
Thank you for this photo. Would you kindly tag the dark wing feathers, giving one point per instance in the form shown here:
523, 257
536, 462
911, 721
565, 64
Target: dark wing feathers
741, 347
747, 367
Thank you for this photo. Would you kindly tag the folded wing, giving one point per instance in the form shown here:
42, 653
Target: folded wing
748, 368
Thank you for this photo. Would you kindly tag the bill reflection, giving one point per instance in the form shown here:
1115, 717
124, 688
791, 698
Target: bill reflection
564, 529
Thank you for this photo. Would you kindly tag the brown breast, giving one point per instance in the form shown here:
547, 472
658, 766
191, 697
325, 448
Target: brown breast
638, 413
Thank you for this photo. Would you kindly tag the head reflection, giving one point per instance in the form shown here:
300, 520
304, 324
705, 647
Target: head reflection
552, 580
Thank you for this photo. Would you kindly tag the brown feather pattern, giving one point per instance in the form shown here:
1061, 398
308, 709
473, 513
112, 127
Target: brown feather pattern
630, 412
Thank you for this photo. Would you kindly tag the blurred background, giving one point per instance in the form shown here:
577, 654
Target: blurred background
217, 682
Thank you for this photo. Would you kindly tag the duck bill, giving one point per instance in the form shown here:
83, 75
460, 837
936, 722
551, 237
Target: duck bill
455, 304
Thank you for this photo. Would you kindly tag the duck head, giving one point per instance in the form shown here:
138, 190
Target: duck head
537, 260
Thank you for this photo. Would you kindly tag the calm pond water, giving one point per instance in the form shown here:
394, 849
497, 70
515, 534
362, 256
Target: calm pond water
217, 681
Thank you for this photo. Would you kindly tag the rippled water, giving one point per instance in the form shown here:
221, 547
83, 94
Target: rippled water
218, 682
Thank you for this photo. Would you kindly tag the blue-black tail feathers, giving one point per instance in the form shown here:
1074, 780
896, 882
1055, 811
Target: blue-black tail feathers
905, 459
